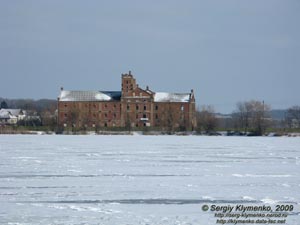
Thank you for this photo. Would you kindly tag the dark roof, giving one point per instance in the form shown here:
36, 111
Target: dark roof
115, 95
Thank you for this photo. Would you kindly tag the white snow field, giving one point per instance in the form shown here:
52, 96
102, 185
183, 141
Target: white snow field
94, 179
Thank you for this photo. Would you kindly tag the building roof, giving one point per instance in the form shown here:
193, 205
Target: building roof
69, 96
8, 113
171, 97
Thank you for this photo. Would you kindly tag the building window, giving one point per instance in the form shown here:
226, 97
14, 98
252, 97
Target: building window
145, 108
115, 116
66, 105
128, 107
137, 107
156, 107
105, 115
144, 116
105, 124
137, 116
182, 108
156, 116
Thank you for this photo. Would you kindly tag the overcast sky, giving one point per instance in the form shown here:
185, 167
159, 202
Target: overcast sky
226, 50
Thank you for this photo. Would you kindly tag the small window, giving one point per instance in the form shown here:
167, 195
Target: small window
144, 116
128, 107
156, 107
115, 115
137, 107
105, 115
66, 105
145, 107
137, 116
182, 108
156, 116
105, 124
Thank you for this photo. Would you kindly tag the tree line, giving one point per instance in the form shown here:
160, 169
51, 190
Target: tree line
249, 118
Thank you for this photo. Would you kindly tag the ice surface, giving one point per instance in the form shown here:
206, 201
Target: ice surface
142, 179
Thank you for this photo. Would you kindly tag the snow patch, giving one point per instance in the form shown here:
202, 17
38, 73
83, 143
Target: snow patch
171, 97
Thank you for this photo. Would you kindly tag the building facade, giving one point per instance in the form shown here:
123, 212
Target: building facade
130, 107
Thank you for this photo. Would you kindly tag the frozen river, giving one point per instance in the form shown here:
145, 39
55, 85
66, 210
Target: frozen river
143, 179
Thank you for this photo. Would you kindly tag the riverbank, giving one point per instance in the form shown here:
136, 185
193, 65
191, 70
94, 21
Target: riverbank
154, 133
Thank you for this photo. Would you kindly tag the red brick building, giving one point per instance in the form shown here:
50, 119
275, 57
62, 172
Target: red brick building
130, 107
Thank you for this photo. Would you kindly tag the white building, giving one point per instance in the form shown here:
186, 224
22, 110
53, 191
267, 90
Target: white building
11, 116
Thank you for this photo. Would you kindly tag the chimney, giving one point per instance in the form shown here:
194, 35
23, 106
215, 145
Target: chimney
129, 72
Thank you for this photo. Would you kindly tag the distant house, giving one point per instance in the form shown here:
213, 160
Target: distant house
130, 107
11, 116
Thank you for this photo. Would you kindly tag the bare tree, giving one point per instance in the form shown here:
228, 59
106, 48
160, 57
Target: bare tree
167, 119
243, 116
128, 122
253, 116
206, 119
292, 117
74, 116
48, 119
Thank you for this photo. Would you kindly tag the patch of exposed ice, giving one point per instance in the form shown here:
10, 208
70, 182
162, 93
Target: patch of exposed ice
248, 198
269, 201
261, 175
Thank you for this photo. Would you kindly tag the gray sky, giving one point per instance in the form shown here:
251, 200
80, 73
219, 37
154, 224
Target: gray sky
227, 51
